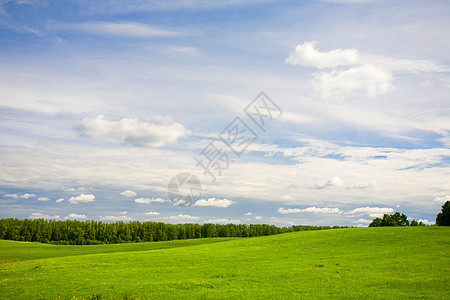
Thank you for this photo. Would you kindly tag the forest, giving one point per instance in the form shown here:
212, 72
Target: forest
74, 232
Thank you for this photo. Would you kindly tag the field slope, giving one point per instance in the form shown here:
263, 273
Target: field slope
354, 263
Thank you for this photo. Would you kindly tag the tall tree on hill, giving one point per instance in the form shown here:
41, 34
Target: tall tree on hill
443, 218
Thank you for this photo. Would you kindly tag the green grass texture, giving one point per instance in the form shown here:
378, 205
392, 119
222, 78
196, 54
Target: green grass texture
352, 263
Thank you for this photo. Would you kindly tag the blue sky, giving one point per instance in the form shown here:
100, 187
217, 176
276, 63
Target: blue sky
102, 104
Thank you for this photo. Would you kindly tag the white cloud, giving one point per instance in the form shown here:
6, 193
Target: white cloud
308, 55
152, 213
183, 217
158, 132
59, 200
213, 202
123, 212
223, 221
128, 193
78, 189
115, 218
373, 212
442, 199
82, 199
185, 50
258, 217
75, 216
362, 221
249, 214
15, 196
26, 196
43, 199
340, 83
42, 216
149, 200
313, 209
119, 29
284, 211
425, 221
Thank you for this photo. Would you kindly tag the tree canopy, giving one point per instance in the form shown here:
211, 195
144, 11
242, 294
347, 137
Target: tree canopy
395, 219
443, 218
75, 232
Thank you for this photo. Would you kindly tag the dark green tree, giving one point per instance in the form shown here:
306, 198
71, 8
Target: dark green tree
395, 219
443, 218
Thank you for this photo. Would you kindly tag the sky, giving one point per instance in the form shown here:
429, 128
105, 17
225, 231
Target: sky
254, 111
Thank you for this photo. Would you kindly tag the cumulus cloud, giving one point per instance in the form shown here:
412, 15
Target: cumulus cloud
75, 216
308, 55
339, 83
43, 199
15, 196
258, 217
249, 214
115, 218
149, 200
59, 200
82, 199
183, 217
42, 216
312, 209
26, 196
213, 202
152, 213
158, 132
425, 221
128, 193
373, 212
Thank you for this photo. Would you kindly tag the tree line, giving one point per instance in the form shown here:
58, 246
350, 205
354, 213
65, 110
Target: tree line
397, 219
74, 232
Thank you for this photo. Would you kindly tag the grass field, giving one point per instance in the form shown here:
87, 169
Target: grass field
354, 263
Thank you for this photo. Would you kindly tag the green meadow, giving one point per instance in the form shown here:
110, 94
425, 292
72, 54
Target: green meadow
352, 263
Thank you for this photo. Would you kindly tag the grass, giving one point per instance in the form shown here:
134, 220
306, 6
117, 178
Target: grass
354, 263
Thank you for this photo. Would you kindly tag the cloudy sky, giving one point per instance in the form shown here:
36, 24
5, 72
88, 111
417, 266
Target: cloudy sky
103, 102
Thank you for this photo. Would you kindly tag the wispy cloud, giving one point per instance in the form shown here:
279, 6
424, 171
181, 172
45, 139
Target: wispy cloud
312, 209
119, 29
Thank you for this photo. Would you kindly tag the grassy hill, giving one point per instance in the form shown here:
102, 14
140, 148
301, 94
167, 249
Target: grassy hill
391, 263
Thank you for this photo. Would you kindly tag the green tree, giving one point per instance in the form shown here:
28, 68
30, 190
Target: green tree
395, 219
376, 222
443, 218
